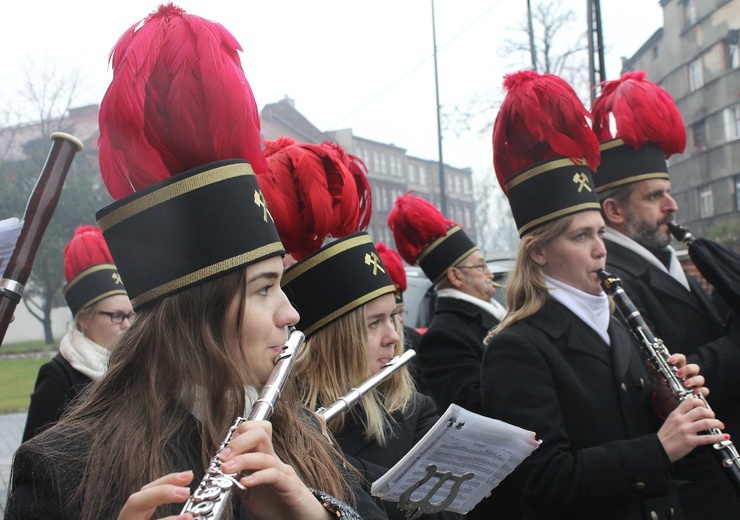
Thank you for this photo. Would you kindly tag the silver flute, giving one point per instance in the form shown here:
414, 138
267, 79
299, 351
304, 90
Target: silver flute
658, 356
211, 499
346, 402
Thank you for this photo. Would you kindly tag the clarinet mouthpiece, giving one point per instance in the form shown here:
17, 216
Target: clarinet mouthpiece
607, 279
679, 232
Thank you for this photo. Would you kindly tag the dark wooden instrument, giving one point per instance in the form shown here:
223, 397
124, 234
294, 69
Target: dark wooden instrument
36, 218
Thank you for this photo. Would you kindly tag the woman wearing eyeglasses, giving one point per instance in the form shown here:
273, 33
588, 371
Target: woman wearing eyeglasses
101, 311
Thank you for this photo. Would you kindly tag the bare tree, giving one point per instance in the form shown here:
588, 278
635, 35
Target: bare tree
45, 99
496, 230
561, 45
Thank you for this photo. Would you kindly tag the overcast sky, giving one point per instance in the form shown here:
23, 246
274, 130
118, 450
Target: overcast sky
365, 65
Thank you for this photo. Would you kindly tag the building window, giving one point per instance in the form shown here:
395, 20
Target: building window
700, 139
383, 163
696, 75
732, 123
376, 161
423, 175
412, 174
466, 185
458, 187
384, 194
689, 12
706, 202
733, 49
466, 218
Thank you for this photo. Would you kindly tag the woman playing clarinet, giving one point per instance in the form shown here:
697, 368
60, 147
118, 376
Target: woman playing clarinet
559, 363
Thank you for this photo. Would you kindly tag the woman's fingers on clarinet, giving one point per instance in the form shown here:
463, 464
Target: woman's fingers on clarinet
170, 489
677, 360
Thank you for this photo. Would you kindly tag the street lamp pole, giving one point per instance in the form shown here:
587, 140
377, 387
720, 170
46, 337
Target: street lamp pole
530, 30
442, 187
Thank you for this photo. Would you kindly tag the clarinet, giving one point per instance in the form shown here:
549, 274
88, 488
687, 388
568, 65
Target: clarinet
681, 234
658, 356
211, 499
348, 400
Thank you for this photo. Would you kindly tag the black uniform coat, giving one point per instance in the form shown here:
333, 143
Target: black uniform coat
687, 324
411, 339
57, 384
685, 321
374, 460
591, 405
40, 488
451, 350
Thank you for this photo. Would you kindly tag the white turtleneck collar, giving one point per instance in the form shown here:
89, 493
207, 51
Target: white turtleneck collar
492, 307
593, 310
83, 354
676, 271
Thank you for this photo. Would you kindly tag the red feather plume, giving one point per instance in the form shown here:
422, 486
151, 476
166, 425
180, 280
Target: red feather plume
415, 224
178, 99
393, 264
86, 249
311, 193
541, 118
642, 111
358, 169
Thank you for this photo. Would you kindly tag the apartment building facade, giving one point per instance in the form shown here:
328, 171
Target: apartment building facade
391, 171
695, 56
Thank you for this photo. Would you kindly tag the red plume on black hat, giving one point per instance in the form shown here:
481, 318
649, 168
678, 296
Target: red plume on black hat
314, 191
179, 99
642, 112
541, 118
89, 270
544, 150
424, 236
392, 262
180, 145
86, 249
415, 224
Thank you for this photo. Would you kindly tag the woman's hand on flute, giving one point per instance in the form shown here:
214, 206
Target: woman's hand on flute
274, 490
170, 489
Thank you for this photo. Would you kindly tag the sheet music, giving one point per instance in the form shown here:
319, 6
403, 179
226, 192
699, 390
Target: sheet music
460, 441
10, 230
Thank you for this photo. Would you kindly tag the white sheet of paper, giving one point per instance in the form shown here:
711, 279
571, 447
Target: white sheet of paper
460, 442
10, 230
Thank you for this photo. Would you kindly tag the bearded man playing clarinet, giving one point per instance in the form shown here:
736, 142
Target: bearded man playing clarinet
634, 190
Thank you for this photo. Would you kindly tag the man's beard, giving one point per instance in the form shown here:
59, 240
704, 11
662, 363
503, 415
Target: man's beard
646, 234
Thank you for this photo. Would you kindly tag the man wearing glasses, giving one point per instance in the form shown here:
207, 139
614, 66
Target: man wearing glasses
451, 349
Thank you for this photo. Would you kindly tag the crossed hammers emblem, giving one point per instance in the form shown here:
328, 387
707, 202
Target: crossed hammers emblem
582, 180
117, 278
372, 259
259, 200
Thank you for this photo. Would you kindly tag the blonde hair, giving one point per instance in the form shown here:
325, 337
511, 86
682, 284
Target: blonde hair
526, 291
334, 360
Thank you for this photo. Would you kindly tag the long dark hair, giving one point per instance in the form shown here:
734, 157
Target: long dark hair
174, 359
